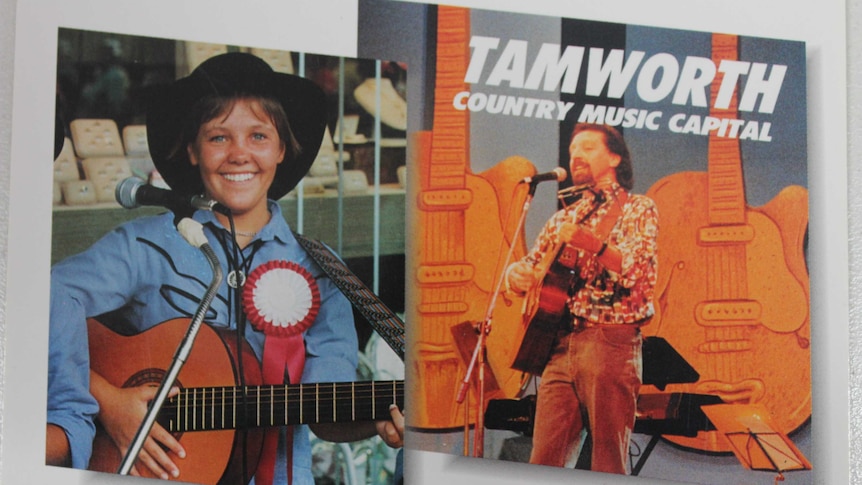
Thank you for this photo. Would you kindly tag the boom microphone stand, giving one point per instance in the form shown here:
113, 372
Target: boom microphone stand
192, 231
479, 351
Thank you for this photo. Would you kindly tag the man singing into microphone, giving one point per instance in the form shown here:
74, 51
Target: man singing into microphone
594, 372
242, 135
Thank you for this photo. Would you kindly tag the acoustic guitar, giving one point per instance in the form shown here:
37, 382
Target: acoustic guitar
545, 308
214, 418
732, 293
545, 305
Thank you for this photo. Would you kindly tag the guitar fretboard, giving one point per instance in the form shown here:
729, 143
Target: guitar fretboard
450, 137
726, 187
220, 408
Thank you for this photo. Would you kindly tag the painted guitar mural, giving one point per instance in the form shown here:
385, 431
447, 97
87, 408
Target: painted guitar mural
212, 417
732, 295
462, 220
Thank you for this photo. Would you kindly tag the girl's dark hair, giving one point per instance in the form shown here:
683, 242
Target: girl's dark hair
616, 145
210, 107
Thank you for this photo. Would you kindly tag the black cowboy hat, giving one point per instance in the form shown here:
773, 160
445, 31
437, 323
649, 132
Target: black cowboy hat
228, 75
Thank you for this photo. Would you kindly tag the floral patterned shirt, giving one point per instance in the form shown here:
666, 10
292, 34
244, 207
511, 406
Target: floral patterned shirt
598, 295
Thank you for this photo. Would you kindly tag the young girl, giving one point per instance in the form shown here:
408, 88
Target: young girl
243, 136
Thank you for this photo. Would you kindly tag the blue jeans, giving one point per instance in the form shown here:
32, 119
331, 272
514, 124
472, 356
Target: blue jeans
592, 379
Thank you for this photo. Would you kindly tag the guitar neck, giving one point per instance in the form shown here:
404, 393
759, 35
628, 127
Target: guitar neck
450, 137
220, 408
726, 187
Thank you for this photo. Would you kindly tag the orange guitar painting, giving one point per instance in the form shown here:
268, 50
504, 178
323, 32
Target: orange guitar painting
464, 220
733, 296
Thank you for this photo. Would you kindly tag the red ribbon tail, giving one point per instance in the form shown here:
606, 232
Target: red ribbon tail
279, 354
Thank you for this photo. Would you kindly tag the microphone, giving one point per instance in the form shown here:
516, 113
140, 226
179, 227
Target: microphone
558, 174
134, 192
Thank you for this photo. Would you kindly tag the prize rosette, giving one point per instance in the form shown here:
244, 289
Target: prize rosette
281, 298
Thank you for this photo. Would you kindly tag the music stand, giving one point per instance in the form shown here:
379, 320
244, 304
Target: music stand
663, 365
756, 442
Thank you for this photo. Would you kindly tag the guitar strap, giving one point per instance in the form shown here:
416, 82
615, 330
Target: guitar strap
606, 225
383, 320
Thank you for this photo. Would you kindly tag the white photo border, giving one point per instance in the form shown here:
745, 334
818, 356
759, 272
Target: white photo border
329, 27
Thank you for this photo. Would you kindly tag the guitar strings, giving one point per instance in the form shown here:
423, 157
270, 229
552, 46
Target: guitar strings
200, 409
235, 302
293, 392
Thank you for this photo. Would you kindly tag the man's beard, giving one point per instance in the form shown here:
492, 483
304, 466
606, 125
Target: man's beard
581, 174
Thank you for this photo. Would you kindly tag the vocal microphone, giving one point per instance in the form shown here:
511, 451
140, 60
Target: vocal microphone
134, 192
558, 174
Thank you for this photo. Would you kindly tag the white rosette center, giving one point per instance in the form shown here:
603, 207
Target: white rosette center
283, 297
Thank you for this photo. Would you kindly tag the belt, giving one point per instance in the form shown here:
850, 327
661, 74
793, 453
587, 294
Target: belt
579, 324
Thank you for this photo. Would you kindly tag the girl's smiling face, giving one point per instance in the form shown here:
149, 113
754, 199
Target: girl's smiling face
237, 153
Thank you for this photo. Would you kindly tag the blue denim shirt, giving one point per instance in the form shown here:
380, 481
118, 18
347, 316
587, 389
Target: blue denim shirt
143, 273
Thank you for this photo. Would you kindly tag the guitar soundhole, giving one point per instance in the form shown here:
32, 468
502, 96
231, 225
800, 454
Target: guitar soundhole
147, 376
152, 377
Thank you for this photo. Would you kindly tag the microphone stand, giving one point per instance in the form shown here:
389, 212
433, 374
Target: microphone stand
193, 233
479, 351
